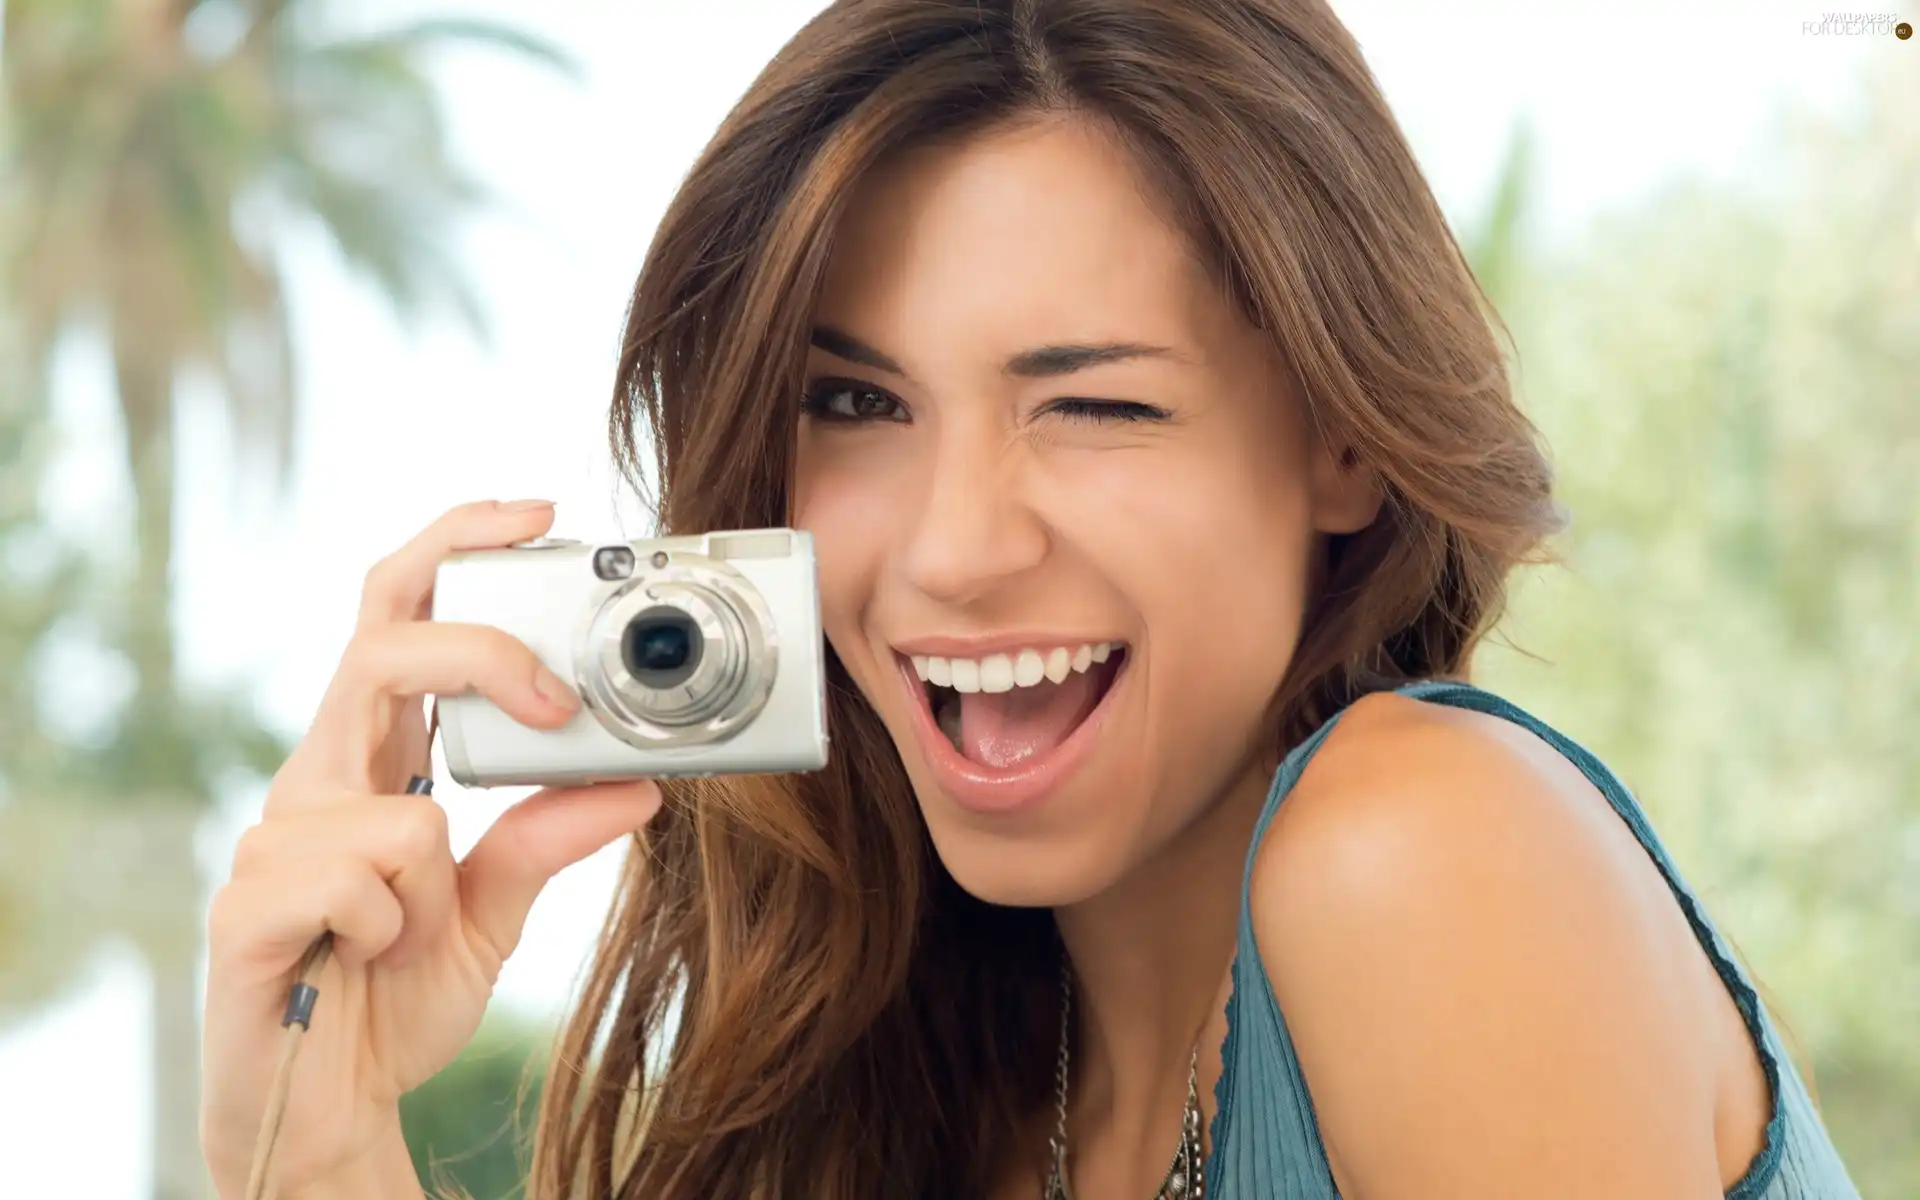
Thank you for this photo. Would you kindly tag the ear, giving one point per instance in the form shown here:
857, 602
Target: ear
1346, 493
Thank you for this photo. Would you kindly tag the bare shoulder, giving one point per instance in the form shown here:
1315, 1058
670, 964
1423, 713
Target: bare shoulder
1429, 784
1490, 989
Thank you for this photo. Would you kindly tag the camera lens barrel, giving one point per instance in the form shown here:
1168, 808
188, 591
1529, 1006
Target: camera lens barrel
683, 652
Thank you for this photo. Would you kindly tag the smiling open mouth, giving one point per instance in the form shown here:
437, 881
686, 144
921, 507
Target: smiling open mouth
1006, 710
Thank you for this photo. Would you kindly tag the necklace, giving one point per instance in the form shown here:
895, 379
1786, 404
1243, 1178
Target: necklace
1185, 1178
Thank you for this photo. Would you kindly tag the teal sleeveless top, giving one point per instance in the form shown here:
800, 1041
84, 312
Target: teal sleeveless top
1266, 1145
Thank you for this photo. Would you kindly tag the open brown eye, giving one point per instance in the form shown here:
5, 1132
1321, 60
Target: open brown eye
845, 400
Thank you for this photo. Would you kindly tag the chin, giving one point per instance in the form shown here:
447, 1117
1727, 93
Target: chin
1060, 869
1076, 841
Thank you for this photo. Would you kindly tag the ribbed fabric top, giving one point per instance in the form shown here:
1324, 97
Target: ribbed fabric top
1266, 1144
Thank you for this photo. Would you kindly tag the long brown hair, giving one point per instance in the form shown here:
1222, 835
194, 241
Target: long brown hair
791, 996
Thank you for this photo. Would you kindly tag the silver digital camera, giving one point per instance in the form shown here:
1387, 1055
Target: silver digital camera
698, 655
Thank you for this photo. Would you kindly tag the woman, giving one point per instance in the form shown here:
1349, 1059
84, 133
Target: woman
1163, 472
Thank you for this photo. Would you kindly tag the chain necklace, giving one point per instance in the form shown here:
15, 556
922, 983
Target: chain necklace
1185, 1178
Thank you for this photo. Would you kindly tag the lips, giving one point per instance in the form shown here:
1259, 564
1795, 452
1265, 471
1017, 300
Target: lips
1019, 772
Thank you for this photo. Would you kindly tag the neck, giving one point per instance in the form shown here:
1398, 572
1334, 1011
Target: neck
1150, 958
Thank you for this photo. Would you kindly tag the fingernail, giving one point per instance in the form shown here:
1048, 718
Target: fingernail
554, 689
524, 505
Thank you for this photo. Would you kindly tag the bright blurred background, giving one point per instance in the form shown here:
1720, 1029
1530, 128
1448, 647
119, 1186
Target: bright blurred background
283, 280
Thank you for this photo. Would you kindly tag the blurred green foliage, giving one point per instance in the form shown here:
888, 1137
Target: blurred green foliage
1730, 380
469, 1128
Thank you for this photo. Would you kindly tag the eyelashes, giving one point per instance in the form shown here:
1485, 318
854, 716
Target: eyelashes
1104, 412
850, 402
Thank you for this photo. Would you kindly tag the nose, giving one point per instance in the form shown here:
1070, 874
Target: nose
975, 528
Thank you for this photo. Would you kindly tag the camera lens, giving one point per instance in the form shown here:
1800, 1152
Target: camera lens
658, 648
661, 648
681, 654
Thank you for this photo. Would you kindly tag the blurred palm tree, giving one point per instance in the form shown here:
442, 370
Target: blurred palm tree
158, 152
45, 929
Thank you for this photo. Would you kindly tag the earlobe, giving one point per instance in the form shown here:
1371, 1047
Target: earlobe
1347, 495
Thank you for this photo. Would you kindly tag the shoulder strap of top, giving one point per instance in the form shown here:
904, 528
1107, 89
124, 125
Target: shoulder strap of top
1272, 1148
1253, 1013
1718, 950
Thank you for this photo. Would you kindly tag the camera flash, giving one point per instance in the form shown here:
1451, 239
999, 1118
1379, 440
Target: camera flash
613, 562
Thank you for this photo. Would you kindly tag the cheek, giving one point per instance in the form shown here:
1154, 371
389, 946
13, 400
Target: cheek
1210, 549
838, 504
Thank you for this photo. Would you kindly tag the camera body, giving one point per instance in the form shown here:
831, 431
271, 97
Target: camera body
695, 655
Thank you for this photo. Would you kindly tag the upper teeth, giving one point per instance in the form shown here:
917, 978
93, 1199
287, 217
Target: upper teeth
1004, 672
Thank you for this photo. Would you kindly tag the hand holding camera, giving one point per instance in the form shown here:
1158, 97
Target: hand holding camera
695, 655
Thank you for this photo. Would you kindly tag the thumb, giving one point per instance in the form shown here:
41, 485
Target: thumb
535, 839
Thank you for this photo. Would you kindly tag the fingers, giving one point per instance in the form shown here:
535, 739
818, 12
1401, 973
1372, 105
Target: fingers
365, 727
267, 924
387, 666
378, 872
537, 838
375, 870
400, 586
444, 657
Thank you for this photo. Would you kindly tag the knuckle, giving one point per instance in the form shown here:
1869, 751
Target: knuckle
342, 893
488, 657
498, 650
283, 779
419, 829
382, 579
226, 919
284, 789
366, 650
254, 847
366, 916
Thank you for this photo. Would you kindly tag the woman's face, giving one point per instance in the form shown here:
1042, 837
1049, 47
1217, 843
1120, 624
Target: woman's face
1049, 466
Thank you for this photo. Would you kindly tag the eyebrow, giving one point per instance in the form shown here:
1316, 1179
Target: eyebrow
1041, 362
